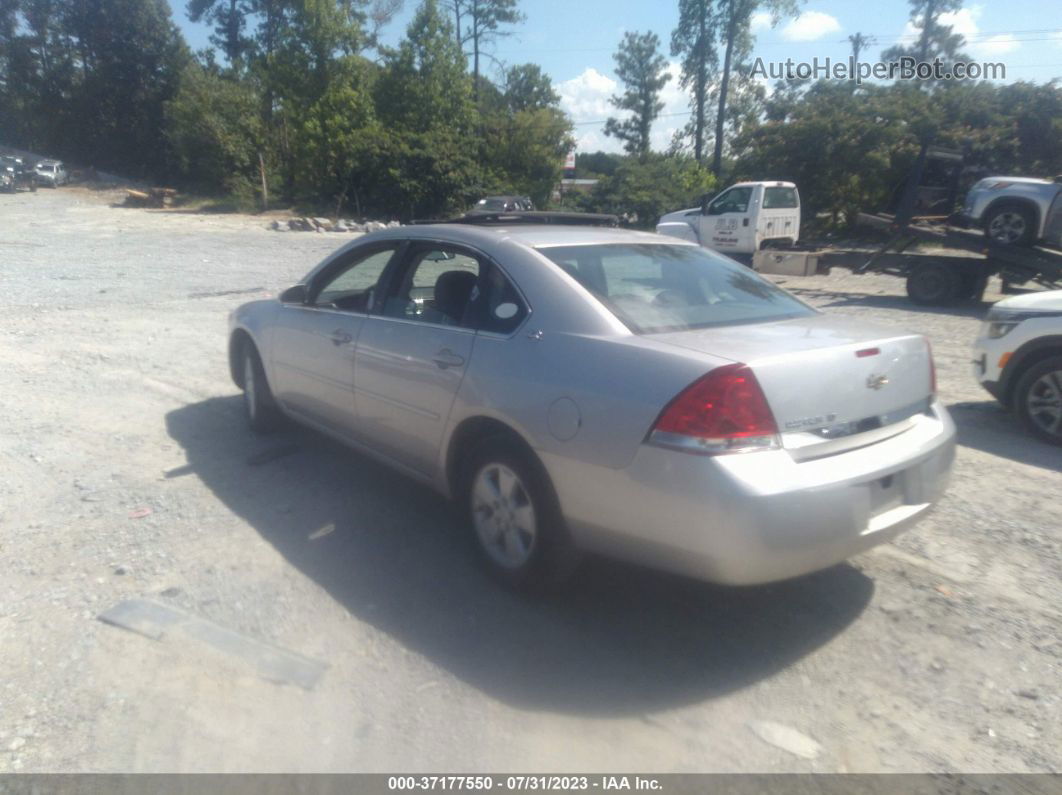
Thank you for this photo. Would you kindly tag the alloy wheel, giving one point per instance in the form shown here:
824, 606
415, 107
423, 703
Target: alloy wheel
504, 516
1043, 402
1007, 227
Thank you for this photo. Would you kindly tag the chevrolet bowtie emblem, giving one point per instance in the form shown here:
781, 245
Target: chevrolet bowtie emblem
876, 381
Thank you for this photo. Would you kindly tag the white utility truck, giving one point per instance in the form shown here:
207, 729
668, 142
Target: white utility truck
742, 219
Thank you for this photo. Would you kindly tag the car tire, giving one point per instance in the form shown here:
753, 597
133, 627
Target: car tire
259, 405
514, 517
933, 284
1038, 399
1010, 225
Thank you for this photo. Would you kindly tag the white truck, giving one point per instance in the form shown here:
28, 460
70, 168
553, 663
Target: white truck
742, 219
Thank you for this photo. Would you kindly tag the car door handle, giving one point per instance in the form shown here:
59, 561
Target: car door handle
340, 337
447, 358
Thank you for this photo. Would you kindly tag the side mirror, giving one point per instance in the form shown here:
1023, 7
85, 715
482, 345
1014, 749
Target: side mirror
705, 201
294, 295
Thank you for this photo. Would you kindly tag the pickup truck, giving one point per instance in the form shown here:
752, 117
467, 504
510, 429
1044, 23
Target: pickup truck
742, 219
1019, 211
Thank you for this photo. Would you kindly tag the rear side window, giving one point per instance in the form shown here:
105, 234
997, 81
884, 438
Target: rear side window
780, 199
659, 287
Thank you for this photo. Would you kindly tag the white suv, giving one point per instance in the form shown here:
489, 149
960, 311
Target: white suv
1019, 359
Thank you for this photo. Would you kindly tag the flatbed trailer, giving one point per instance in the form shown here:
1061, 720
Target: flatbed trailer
934, 277
962, 260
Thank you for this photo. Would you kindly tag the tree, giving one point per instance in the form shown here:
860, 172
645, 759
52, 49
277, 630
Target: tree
423, 98
732, 25
88, 79
229, 18
526, 135
478, 23
692, 40
641, 69
527, 87
214, 128
934, 39
643, 189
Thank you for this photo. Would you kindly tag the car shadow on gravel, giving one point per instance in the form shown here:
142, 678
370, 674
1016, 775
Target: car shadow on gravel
987, 426
620, 641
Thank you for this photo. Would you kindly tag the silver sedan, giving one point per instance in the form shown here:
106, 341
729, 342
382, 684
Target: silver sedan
578, 388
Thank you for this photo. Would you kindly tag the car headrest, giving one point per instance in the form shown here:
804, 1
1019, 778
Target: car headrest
452, 291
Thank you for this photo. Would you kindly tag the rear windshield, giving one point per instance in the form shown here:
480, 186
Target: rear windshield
779, 198
659, 287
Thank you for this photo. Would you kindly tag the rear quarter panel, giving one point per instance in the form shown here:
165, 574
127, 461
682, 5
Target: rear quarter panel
618, 385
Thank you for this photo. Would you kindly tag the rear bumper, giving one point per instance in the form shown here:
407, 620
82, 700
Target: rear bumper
746, 519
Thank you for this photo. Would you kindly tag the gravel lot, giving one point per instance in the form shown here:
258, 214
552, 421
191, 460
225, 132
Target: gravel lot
125, 473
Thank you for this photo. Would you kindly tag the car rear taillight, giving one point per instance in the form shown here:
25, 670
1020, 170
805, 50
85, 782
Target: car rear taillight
723, 412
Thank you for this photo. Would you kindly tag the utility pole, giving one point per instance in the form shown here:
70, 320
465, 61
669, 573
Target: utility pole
859, 42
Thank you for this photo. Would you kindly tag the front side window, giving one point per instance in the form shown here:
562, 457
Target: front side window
351, 287
735, 200
660, 287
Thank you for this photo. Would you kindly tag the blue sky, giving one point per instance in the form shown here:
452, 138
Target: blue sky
574, 43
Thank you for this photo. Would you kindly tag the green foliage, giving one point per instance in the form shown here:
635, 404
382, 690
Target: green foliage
693, 40
478, 23
423, 98
643, 189
88, 79
641, 69
528, 87
215, 131
934, 39
596, 164
850, 151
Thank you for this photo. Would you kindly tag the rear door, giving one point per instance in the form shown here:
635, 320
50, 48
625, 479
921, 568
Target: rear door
727, 223
313, 343
441, 302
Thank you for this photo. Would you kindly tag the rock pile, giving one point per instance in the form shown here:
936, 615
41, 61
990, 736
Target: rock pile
328, 225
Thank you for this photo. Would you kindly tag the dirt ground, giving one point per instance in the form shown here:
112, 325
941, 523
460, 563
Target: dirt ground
124, 473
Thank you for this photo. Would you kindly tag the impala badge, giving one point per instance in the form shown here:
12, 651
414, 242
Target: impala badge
876, 381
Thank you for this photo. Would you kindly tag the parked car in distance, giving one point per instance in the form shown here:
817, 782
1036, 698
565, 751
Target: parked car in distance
51, 173
742, 219
583, 388
1019, 211
503, 204
15, 174
1018, 359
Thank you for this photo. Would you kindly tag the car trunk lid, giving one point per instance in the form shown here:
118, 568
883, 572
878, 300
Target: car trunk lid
826, 378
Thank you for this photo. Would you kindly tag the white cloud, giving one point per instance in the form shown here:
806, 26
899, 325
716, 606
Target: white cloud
586, 98
965, 22
995, 45
811, 25
761, 20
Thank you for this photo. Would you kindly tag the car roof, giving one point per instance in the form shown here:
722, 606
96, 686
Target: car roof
770, 183
534, 235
